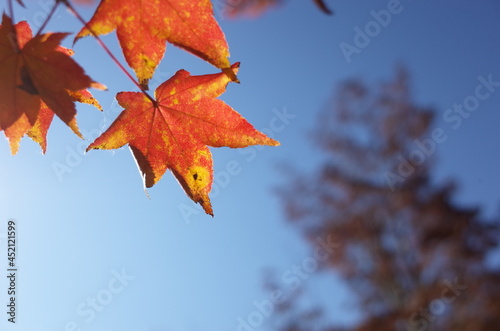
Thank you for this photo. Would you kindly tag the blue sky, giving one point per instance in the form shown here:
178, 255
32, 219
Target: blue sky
161, 264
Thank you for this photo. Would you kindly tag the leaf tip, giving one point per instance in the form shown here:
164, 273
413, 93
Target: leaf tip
90, 147
273, 142
232, 71
14, 146
207, 207
98, 86
77, 37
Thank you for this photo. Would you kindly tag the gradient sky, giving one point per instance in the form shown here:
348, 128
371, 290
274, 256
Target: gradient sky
161, 264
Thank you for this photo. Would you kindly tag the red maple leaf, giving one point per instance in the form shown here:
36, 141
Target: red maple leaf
36, 73
174, 130
143, 27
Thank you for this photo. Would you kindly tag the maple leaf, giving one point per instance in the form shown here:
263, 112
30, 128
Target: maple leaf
36, 73
143, 27
173, 131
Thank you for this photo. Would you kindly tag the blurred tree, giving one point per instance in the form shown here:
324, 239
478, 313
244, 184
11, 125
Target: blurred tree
415, 260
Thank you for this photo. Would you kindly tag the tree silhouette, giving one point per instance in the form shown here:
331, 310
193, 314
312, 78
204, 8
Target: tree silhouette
414, 259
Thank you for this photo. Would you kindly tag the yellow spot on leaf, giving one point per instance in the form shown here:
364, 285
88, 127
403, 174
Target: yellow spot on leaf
198, 178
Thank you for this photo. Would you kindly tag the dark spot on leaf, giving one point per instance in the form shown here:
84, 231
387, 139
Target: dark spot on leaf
27, 84
195, 176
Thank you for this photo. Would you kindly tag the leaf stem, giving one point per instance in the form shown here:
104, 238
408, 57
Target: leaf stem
11, 11
13, 35
52, 11
108, 51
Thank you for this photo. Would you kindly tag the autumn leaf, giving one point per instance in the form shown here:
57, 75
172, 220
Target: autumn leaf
143, 27
18, 109
38, 132
173, 131
36, 73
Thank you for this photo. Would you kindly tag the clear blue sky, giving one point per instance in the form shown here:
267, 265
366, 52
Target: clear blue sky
80, 230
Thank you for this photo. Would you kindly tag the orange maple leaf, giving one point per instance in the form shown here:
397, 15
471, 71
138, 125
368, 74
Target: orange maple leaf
173, 131
143, 27
36, 73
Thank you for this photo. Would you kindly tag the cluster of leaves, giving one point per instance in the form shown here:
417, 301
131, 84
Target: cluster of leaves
170, 130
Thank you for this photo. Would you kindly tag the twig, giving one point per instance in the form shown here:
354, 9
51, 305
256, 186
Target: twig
53, 10
108, 51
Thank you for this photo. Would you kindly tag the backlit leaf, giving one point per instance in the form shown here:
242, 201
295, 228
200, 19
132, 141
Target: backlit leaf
173, 132
36, 73
143, 27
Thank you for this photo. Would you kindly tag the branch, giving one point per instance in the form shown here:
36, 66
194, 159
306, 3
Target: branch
108, 51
